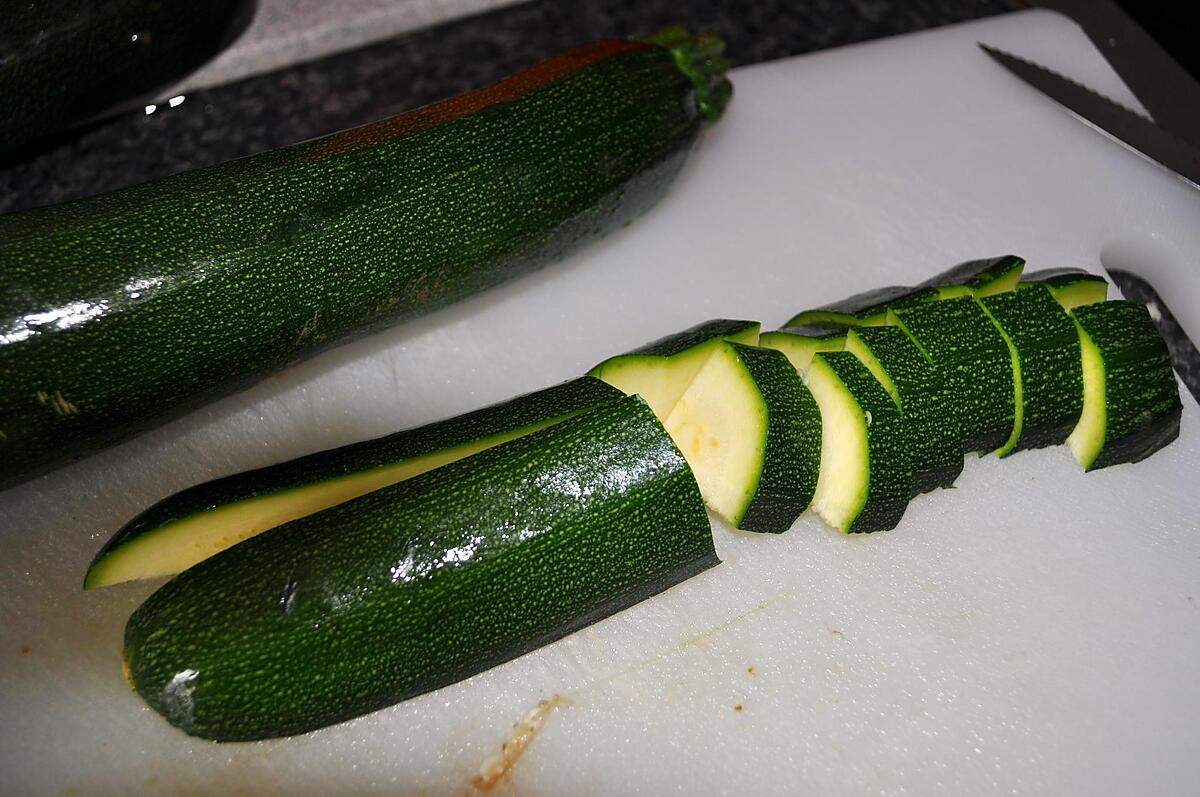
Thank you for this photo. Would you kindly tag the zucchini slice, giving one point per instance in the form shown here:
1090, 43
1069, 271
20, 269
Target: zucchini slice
1048, 387
660, 371
423, 583
196, 523
862, 309
964, 344
752, 434
920, 391
799, 344
866, 470
1071, 287
869, 309
1131, 404
978, 277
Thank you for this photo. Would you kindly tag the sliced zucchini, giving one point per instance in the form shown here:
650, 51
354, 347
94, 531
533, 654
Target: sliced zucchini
799, 344
1131, 404
1048, 386
1071, 287
862, 309
751, 432
978, 277
192, 525
964, 344
866, 469
660, 371
920, 391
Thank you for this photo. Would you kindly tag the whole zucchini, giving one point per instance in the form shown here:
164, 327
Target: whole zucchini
120, 311
64, 63
423, 583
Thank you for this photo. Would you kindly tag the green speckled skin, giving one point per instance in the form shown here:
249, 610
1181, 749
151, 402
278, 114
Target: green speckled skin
925, 402
422, 584
539, 407
123, 310
690, 338
977, 275
963, 343
792, 451
889, 463
62, 63
1141, 394
1047, 347
1071, 287
861, 308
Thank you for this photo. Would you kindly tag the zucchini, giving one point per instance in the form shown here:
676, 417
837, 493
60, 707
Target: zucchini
868, 308
922, 395
866, 469
1071, 287
964, 344
660, 371
975, 277
198, 522
423, 583
984, 277
120, 311
1131, 404
799, 344
752, 434
64, 63
1044, 347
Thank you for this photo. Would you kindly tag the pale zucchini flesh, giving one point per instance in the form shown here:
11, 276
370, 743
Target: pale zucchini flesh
799, 344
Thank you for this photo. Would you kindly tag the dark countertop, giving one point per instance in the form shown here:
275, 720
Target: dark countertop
357, 87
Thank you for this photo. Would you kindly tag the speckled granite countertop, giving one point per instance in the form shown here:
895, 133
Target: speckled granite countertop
356, 87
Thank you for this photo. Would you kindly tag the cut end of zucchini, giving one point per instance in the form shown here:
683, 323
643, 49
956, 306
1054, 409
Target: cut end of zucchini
720, 425
1087, 440
659, 372
1071, 287
799, 344
844, 479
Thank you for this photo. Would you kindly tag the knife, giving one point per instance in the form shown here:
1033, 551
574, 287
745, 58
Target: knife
1114, 120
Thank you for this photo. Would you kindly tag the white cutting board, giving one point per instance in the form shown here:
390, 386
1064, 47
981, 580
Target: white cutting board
1035, 631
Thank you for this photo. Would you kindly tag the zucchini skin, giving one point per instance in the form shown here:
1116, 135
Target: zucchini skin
121, 311
964, 344
541, 406
422, 584
64, 63
1141, 396
981, 277
792, 450
924, 400
711, 331
1051, 374
1071, 287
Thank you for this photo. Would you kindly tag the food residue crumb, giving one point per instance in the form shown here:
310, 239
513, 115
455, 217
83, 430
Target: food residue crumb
750, 670
25, 649
738, 707
497, 767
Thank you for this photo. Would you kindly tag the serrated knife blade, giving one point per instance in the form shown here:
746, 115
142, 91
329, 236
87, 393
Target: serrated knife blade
1114, 120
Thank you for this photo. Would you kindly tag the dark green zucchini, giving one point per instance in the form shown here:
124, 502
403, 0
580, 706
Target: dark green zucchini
201, 521
975, 277
924, 399
1044, 346
423, 583
64, 63
751, 433
1131, 406
122, 310
1071, 287
978, 277
660, 371
964, 344
866, 475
